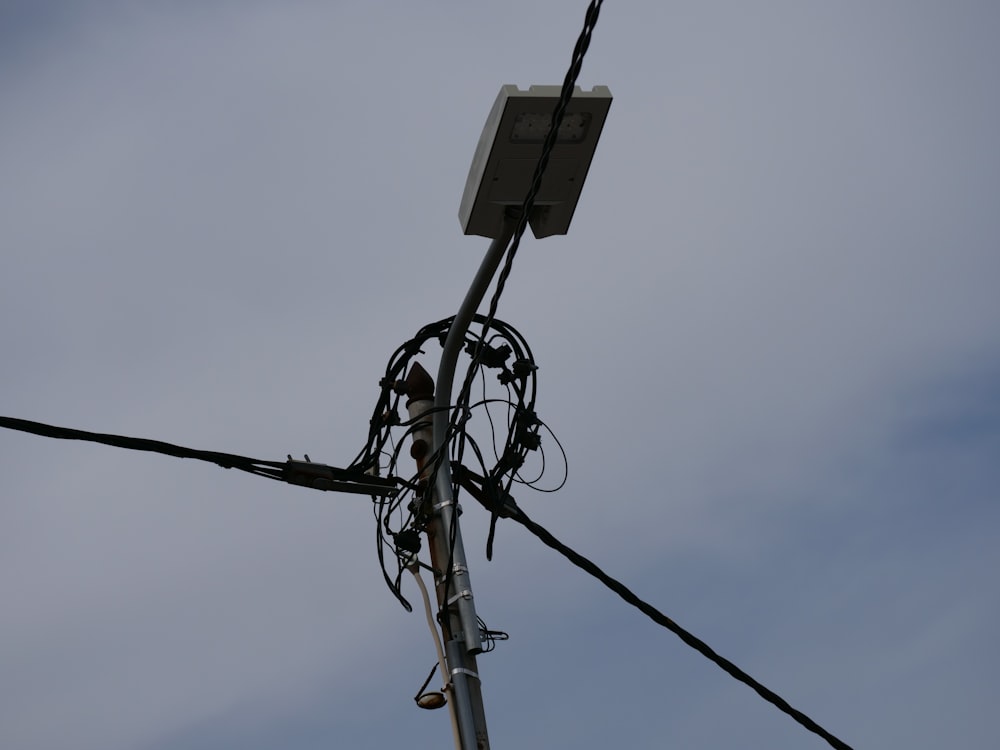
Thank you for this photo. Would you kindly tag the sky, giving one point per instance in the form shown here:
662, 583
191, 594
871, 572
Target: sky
769, 345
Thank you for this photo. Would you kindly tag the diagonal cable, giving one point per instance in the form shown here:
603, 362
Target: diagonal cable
316, 476
225, 460
507, 508
569, 83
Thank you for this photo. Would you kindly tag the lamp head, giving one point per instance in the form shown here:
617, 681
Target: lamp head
510, 147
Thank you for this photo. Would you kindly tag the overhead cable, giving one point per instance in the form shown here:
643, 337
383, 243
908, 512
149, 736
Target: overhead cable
509, 509
569, 83
303, 473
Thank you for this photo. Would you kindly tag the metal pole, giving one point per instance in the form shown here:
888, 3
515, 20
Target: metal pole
459, 624
465, 705
420, 388
442, 403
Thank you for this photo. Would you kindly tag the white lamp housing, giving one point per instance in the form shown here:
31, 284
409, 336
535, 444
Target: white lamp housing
508, 153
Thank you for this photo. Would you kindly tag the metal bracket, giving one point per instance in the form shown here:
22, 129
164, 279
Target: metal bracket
441, 578
460, 595
463, 670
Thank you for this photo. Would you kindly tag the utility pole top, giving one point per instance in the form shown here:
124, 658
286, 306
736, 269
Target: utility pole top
419, 384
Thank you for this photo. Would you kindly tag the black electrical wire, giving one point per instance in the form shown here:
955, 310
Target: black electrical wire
430, 676
511, 510
494, 346
523, 215
579, 51
271, 469
490, 637
565, 460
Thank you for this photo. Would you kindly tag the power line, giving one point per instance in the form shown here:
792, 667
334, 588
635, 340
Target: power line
303, 473
566, 93
569, 83
507, 508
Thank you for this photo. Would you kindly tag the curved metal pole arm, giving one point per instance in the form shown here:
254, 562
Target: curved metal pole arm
442, 413
453, 345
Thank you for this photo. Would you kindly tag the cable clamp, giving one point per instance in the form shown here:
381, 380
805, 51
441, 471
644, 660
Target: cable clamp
460, 595
330, 478
441, 578
438, 506
463, 670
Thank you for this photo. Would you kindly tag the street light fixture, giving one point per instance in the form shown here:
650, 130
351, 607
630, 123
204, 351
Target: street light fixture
510, 147
502, 170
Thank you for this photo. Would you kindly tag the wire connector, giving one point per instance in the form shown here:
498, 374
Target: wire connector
530, 440
407, 540
524, 367
489, 356
331, 479
396, 386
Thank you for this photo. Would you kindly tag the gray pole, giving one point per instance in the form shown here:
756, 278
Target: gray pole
460, 626
442, 404
465, 700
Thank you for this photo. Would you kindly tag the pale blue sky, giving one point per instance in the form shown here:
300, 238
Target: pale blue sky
769, 345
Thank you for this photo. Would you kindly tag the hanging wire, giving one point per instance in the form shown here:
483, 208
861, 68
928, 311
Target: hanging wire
499, 358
